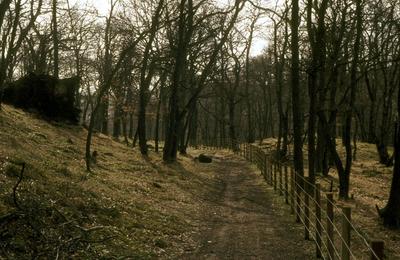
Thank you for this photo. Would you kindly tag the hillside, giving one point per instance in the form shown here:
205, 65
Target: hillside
133, 207
130, 207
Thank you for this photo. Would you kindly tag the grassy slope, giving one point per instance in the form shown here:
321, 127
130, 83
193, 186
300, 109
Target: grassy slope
129, 207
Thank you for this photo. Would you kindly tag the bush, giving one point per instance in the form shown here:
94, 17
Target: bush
53, 98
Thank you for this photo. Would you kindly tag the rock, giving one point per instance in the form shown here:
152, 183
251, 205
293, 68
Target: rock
161, 243
157, 185
204, 158
94, 157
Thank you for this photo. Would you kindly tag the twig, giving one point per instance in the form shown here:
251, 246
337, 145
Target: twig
90, 229
21, 175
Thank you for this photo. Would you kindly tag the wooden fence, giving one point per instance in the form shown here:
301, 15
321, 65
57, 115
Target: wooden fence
329, 226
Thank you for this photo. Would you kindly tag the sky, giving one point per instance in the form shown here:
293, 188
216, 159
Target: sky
103, 6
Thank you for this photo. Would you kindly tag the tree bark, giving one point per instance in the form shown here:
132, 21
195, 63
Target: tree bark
297, 110
250, 127
157, 128
117, 120
174, 118
344, 177
55, 39
146, 73
391, 212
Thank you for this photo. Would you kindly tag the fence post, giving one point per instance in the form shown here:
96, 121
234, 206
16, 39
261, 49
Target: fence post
286, 185
292, 191
298, 194
280, 180
307, 189
318, 220
271, 172
346, 218
329, 223
274, 176
377, 250
264, 162
265, 167
260, 156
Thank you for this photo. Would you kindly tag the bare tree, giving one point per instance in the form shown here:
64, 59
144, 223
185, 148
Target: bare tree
146, 73
297, 108
176, 114
13, 33
55, 35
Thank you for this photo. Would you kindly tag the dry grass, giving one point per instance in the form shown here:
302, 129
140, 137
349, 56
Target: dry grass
130, 207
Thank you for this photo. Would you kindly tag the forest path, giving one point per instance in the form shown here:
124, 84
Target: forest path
244, 219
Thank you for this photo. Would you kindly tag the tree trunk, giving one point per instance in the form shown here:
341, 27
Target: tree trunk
55, 38
131, 127
232, 130
117, 121
135, 137
125, 127
174, 117
141, 127
250, 127
146, 73
344, 177
157, 128
297, 110
316, 76
372, 109
391, 212
104, 116
193, 127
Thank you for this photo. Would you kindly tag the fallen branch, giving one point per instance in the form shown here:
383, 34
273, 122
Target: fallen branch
21, 175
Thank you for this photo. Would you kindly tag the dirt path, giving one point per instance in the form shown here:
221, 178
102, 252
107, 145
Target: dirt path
244, 219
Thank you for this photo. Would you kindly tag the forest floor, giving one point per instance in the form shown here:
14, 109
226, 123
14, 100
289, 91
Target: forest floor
370, 184
131, 207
